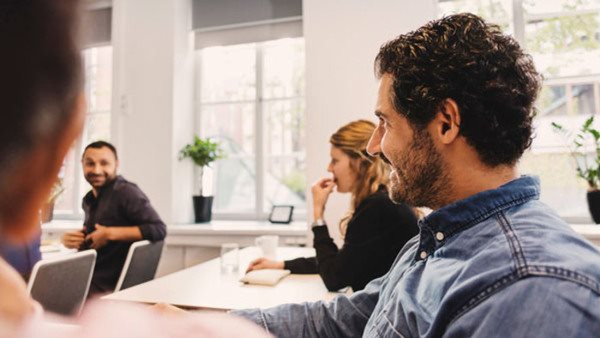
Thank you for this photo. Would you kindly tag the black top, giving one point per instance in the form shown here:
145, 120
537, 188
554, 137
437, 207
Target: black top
119, 203
375, 234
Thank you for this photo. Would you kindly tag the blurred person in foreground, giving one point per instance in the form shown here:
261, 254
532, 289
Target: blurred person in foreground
374, 229
42, 114
455, 108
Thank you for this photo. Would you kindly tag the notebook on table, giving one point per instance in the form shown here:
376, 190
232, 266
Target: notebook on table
268, 277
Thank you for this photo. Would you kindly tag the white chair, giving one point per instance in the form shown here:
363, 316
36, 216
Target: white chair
61, 284
140, 264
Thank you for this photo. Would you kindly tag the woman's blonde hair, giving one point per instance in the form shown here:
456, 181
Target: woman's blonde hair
371, 172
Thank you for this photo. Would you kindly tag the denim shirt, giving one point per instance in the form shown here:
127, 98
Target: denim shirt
496, 264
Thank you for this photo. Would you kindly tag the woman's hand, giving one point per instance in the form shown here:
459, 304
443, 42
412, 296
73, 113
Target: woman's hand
320, 193
263, 263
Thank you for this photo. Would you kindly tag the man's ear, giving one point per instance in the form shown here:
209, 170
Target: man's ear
446, 123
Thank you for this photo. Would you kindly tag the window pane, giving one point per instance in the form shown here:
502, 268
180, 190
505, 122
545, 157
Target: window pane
285, 178
552, 101
536, 7
561, 189
228, 73
232, 123
235, 176
98, 73
563, 37
583, 99
235, 180
283, 68
65, 204
497, 11
97, 127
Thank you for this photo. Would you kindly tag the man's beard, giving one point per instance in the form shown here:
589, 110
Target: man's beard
107, 178
418, 178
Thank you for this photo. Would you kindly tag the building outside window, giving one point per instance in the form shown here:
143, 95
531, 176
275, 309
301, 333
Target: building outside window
250, 97
563, 37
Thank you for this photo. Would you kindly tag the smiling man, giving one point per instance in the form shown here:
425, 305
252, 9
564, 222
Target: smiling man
455, 108
117, 213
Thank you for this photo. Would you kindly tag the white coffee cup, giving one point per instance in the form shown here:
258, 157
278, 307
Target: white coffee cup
268, 245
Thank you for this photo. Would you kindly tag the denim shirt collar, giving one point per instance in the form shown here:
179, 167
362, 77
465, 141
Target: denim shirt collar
458, 216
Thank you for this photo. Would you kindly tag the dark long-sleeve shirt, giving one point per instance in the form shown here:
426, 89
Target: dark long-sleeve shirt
119, 203
374, 236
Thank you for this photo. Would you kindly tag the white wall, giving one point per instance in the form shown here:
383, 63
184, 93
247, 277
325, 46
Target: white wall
152, 100
342, 40
153, 64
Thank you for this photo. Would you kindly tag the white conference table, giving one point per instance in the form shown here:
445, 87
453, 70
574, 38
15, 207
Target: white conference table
204, 286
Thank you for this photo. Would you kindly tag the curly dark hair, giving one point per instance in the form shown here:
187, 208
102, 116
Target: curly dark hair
487, 74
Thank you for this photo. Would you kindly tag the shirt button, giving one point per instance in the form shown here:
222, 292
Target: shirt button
423, 254
439, 236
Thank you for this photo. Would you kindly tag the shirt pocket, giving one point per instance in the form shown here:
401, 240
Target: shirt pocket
388, 323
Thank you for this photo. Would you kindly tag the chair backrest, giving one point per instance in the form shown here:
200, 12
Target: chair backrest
61, 284
140, 264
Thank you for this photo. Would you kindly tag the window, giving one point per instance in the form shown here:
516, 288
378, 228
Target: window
563, 37
251, 98
98, 89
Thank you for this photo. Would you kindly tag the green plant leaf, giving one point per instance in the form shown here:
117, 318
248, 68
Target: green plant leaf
588, 123
590, 172
202, 151
557, 126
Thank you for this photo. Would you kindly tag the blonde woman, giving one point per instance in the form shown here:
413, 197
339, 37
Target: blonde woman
374, 229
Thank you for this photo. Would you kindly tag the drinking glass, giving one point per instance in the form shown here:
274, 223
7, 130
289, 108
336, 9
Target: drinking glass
230, 258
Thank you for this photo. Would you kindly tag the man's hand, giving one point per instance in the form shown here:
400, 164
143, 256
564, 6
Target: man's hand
263, 263
100, 237
73, 239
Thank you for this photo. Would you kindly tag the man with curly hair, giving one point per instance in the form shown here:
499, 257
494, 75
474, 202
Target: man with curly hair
455, 111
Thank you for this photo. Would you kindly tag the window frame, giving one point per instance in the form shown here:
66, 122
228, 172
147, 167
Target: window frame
77, 189
258, 213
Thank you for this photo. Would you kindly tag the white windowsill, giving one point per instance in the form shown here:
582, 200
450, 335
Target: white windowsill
219, 227
222, 227
217, 231
211, 234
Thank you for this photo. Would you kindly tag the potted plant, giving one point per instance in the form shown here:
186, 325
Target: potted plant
202, 152
47, 211
585, 141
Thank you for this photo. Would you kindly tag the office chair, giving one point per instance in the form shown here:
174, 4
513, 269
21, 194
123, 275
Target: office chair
61, 284
140, 264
